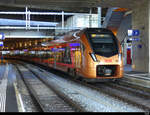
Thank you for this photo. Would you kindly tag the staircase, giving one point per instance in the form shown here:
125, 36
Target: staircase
113, 19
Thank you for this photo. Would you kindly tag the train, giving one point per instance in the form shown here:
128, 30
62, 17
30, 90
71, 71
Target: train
91, 54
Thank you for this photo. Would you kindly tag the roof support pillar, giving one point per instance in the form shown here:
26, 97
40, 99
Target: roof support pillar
90, 18
27, 13
141, 49
99, 16
149, 35
62, 19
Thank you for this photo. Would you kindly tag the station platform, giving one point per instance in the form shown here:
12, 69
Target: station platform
8, 102
137, 78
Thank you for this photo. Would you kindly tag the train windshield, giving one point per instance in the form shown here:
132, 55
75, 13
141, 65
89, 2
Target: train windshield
104, 44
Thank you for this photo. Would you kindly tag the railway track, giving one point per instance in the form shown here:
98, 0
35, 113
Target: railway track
44, 98
128, 94
132, 85
101, 89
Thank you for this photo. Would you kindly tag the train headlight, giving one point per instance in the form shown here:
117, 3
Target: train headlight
93, 57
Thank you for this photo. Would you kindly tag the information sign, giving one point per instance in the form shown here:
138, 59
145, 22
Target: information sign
133, 33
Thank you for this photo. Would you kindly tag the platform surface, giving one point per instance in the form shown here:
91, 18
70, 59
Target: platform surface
8, 101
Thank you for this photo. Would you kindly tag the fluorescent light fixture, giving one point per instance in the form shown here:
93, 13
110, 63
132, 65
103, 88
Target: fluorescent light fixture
1, 43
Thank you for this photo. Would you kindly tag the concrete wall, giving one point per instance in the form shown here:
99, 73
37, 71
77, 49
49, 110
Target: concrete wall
79, 21
140, 20
82, 21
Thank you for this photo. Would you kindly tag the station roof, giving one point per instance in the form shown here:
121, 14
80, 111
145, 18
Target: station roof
66, 5
74, 6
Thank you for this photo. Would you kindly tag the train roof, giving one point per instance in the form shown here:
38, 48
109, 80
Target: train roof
97, 30
72, 35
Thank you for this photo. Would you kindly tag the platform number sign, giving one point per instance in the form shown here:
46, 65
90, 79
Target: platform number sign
133, 35
136, 32
2, 36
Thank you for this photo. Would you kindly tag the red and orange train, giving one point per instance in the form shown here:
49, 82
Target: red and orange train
93, 54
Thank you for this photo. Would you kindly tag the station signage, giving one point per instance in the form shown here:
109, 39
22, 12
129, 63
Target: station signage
133, 33
139, 46
134, 39
2, 36
136, 32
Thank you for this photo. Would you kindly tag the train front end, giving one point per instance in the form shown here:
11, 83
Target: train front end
105, 55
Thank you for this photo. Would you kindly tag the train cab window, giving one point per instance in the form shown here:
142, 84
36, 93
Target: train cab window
104, 44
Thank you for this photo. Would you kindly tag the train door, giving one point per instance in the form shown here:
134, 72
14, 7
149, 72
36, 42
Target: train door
77, 58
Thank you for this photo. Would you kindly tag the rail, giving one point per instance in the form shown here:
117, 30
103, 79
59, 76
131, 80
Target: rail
47, 106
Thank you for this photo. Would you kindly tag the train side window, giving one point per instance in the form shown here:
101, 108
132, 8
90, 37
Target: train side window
61, 55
